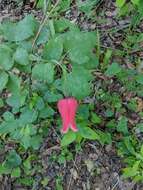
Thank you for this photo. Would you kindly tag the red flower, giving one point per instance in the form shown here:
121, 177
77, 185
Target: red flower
67, 108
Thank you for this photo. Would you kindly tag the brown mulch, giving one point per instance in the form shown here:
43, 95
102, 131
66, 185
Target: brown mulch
95, 167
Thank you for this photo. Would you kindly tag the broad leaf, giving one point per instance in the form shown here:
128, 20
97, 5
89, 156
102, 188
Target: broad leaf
79, 45
64, 5
43, 72
123, 125
17, 100
104, 137
113, 69
53, 50
8, 116
16, 172
129, 145
95, 118
92, 63
43, 36
3, 80
13, 160
63, 24
36, 142
8, 126
14, 83
139, 78
136, 2
87, 5
131, 171
21, 30
1, 103
120, 3
47, 112
6, 61
77, 83
52, 96
68, 138
21, 56
87, 132
4, 169
28, 116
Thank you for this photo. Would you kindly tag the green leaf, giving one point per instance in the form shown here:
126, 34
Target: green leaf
80, 78
95, 118
45, 181
136, 2
1, 103
139, 78
8, 116
13, 159
43, 72
141, 150
20, 31
40, 4
92, 63
46, 112
132, 105
17, 100
14, 83
8, 127
14, 101
68, 138
131, 171
111, 124
3, 80
6, 61
83, 112
129, 145
104, 137
109, 113
25, 181
79, 45
26, 135
120, 3
43, 36
123, 125
64, 5
21, 56
87, 5
16, 172
53, 50
36, 142
28, 116
63, 24
4, 170
140, 127
87, 132
52, 97
27, 164
113, 69
39, 103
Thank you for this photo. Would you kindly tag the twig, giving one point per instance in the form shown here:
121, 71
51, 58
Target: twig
115, 185
45, 17
71, 176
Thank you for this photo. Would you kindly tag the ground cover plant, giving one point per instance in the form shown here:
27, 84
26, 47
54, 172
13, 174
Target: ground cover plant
70, 83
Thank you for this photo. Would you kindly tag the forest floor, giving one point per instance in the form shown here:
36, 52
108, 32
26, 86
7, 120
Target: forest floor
95, 167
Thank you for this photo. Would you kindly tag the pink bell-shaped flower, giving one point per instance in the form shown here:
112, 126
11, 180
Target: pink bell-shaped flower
67, 108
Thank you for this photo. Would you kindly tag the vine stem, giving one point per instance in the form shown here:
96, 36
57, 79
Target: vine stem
45, 17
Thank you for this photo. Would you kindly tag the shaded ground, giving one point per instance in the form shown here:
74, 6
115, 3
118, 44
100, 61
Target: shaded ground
95, 167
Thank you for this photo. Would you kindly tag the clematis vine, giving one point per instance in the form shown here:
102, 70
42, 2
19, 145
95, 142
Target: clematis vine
67, 108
